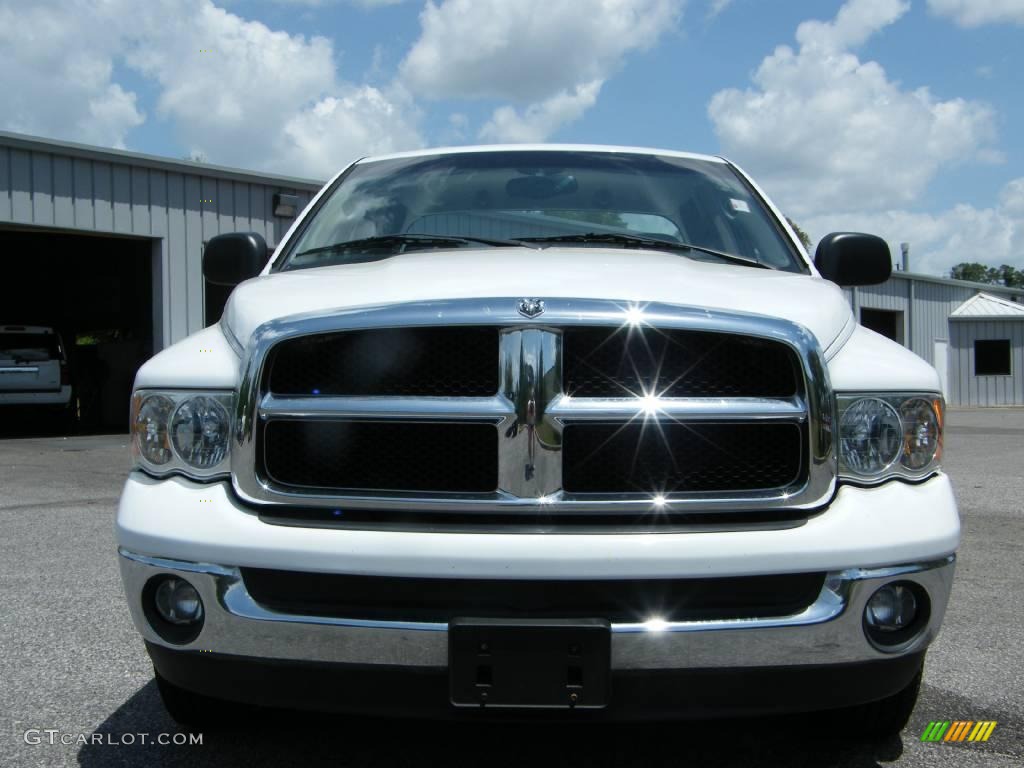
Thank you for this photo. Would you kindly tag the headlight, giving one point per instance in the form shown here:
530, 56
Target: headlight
199, 431
185, 432
870, 436
885, 435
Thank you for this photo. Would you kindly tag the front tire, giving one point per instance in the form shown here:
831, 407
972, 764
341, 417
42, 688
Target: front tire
885, 718
194, 710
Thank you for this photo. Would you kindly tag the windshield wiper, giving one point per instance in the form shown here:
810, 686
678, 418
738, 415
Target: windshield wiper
393, 241
640, 241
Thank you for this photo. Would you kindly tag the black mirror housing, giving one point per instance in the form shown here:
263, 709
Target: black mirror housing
852, 258
230, 259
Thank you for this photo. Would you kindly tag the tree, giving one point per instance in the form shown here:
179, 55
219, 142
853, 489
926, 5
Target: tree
974, 272
804, 237
1011, 277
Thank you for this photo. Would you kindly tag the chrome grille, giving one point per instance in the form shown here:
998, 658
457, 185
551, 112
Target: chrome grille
759, 439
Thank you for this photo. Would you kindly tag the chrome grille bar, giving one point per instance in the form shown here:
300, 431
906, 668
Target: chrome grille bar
565, 408
529, 454
492, 409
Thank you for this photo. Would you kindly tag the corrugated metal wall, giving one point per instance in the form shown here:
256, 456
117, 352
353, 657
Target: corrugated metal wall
968, 389
932, 305
178, 207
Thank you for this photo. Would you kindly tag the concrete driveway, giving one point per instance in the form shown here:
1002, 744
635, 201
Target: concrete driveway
70, 660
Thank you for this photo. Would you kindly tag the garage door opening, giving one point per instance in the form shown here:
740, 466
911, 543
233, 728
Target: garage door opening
97, 292
889, 323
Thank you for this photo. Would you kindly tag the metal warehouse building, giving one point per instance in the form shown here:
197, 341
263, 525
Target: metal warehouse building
972, 333
107, 246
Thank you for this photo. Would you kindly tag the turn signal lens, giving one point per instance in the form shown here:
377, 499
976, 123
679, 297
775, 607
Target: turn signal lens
149, 429
921, 433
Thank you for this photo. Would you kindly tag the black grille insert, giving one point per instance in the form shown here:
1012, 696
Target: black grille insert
440, 600
411, 362
602, 362
382, 456
669, 457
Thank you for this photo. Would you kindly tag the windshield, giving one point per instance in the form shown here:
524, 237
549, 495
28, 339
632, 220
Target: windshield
529, 195
29, 347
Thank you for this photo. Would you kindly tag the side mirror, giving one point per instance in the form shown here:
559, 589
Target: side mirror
850, 258
230, 259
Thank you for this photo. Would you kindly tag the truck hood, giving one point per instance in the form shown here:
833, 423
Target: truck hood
586, 273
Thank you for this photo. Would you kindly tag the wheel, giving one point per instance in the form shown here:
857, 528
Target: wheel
194, 710
887, 717
66, 422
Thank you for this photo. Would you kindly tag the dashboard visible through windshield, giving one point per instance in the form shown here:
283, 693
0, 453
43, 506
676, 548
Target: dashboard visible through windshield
700, 208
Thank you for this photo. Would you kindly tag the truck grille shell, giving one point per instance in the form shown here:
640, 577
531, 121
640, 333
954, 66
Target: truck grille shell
466, 407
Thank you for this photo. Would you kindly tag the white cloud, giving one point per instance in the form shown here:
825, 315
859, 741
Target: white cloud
262, 98
992, 235
56, 75
1012, 199
855, 22
235, 91
318, 141
538, 121
548, 57
456, 130
825, 131
975, 13
320, 3
715, 7
528, 50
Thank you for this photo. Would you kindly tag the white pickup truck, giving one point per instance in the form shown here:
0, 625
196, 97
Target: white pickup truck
569, 432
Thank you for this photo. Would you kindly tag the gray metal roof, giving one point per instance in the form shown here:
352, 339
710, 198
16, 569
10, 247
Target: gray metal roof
985, 305
986, 287
72, 149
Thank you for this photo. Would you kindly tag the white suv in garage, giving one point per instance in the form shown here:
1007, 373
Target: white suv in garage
33, 368
552, 431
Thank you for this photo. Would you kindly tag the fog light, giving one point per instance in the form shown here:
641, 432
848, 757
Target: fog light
896, 615
892, 608
178, 602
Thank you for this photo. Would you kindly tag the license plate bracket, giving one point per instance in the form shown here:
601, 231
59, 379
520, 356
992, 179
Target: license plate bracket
533, 664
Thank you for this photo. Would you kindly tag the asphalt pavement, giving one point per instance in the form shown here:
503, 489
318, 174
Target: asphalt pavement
73, 670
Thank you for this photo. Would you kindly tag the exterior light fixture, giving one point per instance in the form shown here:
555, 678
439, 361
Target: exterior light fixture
286, 206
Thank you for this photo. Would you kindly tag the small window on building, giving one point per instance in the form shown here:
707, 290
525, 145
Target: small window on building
992, 357
887, 322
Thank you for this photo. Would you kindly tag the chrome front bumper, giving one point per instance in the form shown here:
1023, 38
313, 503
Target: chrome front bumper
828, 632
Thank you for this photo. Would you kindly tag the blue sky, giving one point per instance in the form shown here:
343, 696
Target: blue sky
902, 117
